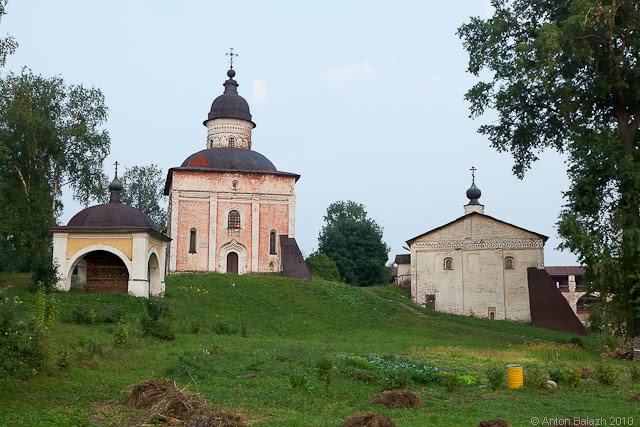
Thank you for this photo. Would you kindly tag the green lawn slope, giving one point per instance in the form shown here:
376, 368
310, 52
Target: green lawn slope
258, 334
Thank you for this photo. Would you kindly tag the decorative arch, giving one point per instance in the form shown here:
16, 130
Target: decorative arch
236, 247
98, 247
154, 274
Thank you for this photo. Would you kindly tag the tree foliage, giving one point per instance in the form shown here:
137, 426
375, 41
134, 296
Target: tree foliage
8, 44
322, 267
144, 190
354, 242
51, 137
564, 75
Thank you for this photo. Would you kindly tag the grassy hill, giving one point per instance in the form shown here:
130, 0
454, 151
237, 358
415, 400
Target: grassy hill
259, 342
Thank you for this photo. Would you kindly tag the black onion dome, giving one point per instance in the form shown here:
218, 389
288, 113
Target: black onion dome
111, 215
116, 185
231, 159
230, 105
474, 193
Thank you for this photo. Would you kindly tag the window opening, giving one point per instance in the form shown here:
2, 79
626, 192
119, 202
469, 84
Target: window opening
234, 219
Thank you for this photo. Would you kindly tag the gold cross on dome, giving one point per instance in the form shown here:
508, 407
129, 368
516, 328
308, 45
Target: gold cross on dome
230, 54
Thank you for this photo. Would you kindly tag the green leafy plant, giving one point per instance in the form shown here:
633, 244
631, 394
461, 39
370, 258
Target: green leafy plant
120, 335
496, 376
535, 377
299, 381
194, 326
634, 372
572, 376
451, 382
607, 374
82, 316
63, 358
156, 321
223, 328
327, 371
556, 374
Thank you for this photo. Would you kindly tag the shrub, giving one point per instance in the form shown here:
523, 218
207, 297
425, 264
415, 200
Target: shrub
160, 328
88, 349
299, 381
157, 309
495, 375
115, 315
155, 322
83, 316
327, 371
24, 345
194, 325
535, 377
634, 372
395, 379
222, 328
63, 358
322, 267
572, 376
451, 382
44, 275
120, 335
556, 374
607, 374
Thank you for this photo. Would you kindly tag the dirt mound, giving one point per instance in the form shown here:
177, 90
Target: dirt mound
369, 419
398, 399
625, 351
586, 373
635, 398
494, 423
217, 418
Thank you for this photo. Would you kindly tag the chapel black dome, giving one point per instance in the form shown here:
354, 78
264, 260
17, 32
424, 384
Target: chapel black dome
111, 215
473, 194
230, 159
230, 105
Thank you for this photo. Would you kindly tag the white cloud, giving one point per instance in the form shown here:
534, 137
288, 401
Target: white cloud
350, 75
259, 95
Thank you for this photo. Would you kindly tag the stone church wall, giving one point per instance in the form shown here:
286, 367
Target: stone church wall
478, 283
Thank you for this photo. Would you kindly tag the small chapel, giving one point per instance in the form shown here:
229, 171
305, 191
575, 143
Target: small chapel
110, 248
478, 265
230, 209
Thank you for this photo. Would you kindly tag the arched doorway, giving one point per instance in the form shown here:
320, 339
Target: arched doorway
232, 262
106, 273
154, 275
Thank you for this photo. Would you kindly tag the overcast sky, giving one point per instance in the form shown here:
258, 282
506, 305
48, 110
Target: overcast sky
364, 99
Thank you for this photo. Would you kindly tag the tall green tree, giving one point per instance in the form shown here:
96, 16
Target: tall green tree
51, 137
144, 190
564, 75
354, 242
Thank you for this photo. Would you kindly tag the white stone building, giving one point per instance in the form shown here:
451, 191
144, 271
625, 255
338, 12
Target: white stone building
475, 265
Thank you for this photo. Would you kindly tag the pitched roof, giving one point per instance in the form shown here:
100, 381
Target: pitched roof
574, 270
410, 241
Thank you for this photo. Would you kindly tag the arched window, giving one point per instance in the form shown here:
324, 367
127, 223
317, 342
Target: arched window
584, 302
448, 263
232, 142
272, 242
508, 263
234, 219
192, 241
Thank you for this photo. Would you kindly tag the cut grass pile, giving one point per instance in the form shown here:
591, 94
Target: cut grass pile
252, 345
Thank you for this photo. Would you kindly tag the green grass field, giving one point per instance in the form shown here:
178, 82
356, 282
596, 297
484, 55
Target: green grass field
259, 333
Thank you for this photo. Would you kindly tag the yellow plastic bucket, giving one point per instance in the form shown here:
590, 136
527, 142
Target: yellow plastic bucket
514, 376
